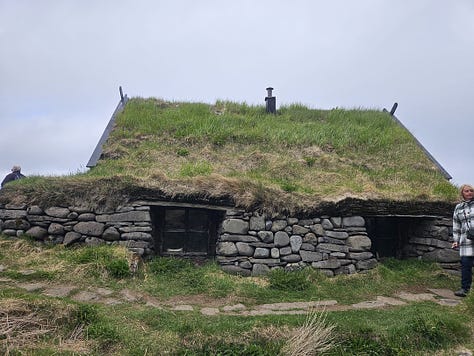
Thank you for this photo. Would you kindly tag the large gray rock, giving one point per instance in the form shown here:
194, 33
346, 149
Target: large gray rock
336, 221
244, 249
145, 236
281, 239
310, 238
340, 235
136, 229
265, 261
359, 243
367, 264
261, 252
291, 258
9, 232
130, 216
90, 228
34, 210
246, 264
56, 229
295, 243
260, 270
441, 244
317, 229
360, 255
93, 241
37, 232
300, 230
327, 224
257, 223
265, 236
231, 269
134, 244
57, 212
324, 247
309, 256
275, 253
279, 225
327, 264
71, 237
17, 224
292, 221
111, 234
353, 221
235, 226
86, 217
307, 247
284, 251
238, 238
442, 255
12, 214
227, 249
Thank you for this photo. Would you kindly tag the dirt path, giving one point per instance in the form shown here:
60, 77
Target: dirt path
226, 307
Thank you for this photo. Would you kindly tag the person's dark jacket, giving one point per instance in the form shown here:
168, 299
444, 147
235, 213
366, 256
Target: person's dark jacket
12, 176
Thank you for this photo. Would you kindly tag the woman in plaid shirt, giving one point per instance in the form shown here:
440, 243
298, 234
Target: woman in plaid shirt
463, 218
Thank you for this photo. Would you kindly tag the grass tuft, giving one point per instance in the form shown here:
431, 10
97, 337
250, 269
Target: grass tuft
314, 337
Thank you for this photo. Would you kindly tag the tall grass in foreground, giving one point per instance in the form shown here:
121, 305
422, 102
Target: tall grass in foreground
314, 337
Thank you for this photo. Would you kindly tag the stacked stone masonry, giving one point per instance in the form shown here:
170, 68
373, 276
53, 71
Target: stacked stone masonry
248, 243
128, 226
251, 244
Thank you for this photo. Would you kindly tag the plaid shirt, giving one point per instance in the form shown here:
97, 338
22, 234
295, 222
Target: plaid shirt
463, 217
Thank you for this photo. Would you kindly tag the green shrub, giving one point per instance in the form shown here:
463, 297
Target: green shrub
118, 268
86, 314
298, 280
183, 152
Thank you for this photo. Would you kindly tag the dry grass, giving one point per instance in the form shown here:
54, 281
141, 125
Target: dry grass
314, 337
28, 325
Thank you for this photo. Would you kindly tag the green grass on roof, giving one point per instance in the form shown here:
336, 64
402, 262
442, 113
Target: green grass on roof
298, 156
309, 152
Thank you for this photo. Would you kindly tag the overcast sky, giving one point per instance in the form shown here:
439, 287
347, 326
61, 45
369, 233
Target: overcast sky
62, 62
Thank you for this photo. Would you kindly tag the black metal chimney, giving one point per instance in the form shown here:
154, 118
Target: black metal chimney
271, 101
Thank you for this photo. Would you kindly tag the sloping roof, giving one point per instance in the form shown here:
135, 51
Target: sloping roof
108, 129
228, 149
428, 154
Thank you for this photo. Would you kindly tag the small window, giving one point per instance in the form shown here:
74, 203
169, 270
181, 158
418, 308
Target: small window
185, 231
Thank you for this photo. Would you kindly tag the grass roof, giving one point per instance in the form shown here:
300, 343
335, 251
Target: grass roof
299, 157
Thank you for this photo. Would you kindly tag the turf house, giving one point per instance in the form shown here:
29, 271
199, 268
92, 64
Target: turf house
253, 187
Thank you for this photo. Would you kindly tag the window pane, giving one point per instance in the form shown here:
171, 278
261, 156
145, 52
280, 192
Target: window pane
175, 219
174, 241
198, 220
197, 242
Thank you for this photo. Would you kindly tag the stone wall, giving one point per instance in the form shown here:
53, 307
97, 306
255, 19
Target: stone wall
431, 239
129, 226
248, 243
251, 244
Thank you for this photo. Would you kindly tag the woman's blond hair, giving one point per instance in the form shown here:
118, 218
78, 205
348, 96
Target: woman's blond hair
462, 188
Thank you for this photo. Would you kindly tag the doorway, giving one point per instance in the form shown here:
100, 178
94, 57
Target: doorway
389, 235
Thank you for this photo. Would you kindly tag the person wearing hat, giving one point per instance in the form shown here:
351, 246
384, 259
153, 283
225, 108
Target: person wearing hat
14, 175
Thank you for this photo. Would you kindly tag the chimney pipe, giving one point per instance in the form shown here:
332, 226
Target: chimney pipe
270, 101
